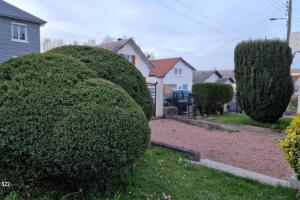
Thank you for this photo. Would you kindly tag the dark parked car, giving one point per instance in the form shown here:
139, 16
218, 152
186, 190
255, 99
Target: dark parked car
180, 99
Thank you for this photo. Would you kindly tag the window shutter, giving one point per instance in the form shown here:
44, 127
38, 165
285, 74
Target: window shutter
133, 59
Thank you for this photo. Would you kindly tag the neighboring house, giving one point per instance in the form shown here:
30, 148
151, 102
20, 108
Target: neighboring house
296, 81
132, 52
211, 76
215, 76
177, 73
295, 73
19, 32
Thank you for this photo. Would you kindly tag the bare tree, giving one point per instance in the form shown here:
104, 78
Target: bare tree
149, 55
76, 42
48, 44
124, 37
90, 42
107, 39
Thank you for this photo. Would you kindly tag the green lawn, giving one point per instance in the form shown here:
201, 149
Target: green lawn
161, 172
281, 124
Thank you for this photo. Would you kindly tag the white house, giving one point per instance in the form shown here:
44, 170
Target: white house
177, 73
132, 52
210, 76
215, 76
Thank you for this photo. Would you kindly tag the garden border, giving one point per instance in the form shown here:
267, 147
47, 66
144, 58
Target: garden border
204, 124
188, 153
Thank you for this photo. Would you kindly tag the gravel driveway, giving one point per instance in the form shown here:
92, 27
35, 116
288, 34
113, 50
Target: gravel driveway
257, 152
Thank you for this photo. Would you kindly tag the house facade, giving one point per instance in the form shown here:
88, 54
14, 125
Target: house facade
131, 51
215, 76
19, 32
177, 73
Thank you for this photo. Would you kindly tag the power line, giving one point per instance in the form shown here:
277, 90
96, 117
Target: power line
281, 3
247, 31
278, 3
191, 18
207, 17
275, 5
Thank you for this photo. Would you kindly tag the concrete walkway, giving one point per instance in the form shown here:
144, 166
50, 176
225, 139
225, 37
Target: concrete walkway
243, 173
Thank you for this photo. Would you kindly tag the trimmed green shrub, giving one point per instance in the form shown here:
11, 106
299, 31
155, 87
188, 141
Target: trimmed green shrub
262, 72
291, 144
57, 120
115, 68
211, 97
111, 132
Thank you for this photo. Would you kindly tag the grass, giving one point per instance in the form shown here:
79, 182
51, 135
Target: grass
162, 173
281, 124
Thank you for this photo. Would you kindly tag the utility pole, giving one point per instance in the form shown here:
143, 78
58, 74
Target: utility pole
289, 20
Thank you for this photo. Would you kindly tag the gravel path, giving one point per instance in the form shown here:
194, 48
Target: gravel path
257, 152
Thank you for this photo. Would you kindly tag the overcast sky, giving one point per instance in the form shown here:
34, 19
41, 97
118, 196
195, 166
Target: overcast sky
201, 31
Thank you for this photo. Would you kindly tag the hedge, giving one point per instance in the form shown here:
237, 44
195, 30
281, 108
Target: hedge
57, 119
291, 144
262, 72
115, 68
210, 97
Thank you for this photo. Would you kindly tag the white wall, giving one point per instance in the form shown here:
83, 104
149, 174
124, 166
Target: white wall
140, 64
296, 86
180, 79
159, 108
212, 78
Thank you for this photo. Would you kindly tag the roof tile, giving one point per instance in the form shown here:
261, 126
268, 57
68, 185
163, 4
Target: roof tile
163, 66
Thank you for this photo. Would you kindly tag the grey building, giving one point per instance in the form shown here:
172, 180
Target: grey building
19, 32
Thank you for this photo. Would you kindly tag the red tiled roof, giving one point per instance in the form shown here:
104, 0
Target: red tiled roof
163, 66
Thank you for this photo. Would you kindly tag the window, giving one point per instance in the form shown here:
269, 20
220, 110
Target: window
127, 57
185, 87
177, 71
130, 58
19, 32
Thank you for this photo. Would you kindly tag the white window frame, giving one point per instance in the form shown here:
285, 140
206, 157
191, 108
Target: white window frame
12, 32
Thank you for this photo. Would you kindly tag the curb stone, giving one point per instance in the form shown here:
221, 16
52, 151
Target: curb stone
244, 173
189, 153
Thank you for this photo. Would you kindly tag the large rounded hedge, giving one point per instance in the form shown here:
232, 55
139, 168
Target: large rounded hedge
115, 68
57, 119
263, 82
103, 131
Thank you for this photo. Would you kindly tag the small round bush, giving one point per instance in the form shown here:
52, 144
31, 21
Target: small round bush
59, 120
115, 68
210, 97
291, 145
